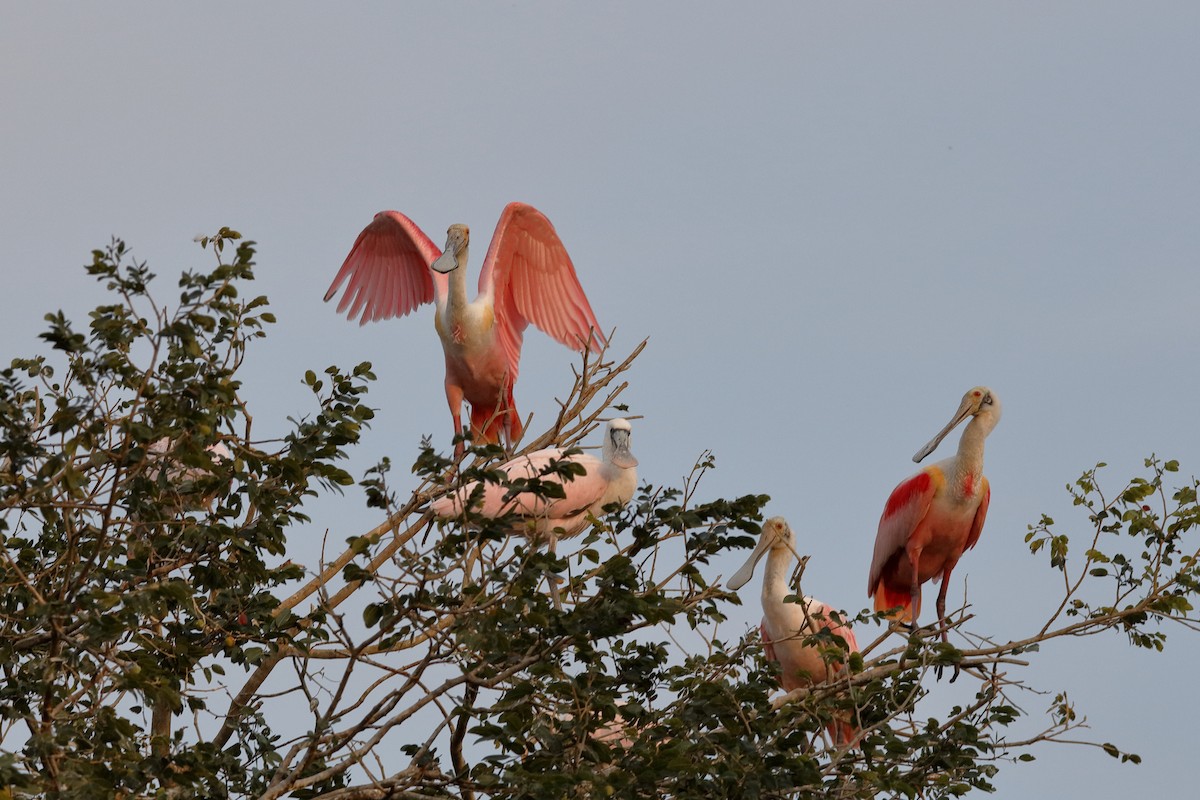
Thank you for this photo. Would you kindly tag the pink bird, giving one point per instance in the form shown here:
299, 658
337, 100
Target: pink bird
527, 277
934, 516
607, 480
786, 624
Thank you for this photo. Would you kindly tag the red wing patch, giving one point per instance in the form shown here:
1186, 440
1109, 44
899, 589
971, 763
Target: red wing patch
904, 493
887, 597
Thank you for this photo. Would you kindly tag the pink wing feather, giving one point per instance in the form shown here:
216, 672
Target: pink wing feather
388, 270
531, 279
817, 608
906, 507
795, 659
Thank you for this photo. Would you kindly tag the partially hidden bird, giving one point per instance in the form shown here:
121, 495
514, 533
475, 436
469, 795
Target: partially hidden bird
610, 479
527, 277
932, 518
786, 624
184, 479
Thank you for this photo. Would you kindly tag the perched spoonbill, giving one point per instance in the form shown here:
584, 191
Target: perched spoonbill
607, 480
785, 625
527, 277
934, 516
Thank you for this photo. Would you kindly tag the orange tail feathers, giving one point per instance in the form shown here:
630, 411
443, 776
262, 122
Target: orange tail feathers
886, 598
488, 423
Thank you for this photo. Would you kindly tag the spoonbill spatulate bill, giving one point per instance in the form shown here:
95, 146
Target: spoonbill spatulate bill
786, 624
932, 518
527, 277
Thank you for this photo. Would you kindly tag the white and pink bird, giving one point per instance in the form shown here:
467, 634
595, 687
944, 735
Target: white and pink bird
785, 624
527, 277
184, 479
610, 479
932, 518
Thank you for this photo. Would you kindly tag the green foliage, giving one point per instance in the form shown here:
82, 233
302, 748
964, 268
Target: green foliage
1141, 554
135, 561
156, 640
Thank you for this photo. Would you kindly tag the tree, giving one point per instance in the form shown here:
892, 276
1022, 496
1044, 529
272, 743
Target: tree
156, 641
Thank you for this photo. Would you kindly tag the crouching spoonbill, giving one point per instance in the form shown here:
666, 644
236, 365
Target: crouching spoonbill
610, 479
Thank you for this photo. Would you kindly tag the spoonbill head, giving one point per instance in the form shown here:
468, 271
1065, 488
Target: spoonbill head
527, 277
616, 444
609, 480
977, 402
931, 518
786, 624
458, 241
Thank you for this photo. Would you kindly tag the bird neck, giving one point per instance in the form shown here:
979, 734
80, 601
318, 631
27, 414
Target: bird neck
775, 576
456, 303
970, 447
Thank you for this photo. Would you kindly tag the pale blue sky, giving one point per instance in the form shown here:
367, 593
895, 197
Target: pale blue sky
830, 221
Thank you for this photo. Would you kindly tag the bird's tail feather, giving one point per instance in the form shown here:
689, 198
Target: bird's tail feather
488, 423
887, 598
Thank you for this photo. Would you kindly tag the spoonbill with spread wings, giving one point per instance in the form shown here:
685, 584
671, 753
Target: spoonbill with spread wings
527, 277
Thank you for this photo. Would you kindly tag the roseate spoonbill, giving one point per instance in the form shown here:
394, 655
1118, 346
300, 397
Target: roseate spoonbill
607, 480
527, 277
786, 624
934, 516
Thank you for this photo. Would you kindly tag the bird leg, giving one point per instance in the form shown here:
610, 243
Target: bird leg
941, 610
512, 420
552, 548
914, 558
454, 397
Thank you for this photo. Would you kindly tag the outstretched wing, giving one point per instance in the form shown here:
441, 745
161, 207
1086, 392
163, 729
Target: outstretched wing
530, 278
388, 270
906, 507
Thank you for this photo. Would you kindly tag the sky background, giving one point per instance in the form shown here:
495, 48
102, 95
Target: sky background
829, 220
